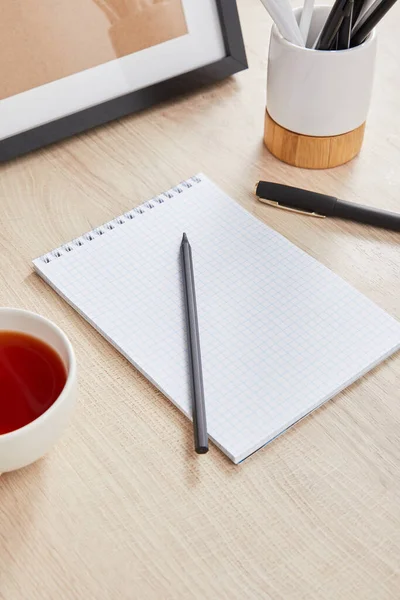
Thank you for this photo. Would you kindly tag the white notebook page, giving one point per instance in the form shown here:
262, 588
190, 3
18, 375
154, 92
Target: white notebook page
280, 333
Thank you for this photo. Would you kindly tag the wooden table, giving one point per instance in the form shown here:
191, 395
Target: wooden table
122, 508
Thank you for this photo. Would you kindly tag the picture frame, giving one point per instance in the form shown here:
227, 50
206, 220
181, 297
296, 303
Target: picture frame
39, 135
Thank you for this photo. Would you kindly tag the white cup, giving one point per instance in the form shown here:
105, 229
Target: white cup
24, 446
319, 93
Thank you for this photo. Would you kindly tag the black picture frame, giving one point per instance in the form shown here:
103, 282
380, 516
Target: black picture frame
234, 61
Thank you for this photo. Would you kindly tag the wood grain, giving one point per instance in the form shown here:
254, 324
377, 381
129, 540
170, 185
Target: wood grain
310, 152
122, 507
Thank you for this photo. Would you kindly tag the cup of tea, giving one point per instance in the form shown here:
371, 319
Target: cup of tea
38, 385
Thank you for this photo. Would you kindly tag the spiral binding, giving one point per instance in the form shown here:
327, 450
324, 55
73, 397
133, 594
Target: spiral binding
128, 216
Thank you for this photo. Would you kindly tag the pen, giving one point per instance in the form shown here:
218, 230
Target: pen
345, 28
331, 26
358, 7
282, 14
305, 19
369, 20
199, 410
320, 205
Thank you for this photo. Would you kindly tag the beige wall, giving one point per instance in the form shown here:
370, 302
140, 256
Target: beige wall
45, 40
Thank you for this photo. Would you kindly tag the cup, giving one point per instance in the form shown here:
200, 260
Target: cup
317, 101
24, 446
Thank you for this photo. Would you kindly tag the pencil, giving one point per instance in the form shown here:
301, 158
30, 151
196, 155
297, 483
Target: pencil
369, 20
344, 34
358, 8
332, 25
196, 372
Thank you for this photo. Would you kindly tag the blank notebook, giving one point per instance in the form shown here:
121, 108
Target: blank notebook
280, 333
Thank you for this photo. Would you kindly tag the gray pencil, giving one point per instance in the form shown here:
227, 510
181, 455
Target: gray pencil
196, 372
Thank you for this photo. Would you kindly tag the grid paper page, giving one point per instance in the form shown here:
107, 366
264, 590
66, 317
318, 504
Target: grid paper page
280, 333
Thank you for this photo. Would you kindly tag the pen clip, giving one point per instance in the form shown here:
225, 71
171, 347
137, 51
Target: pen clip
289, 209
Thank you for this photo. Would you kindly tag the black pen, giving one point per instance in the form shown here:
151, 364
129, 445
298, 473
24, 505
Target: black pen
320, 205
196, 372
369, 20
358, 7
331, 26
345, 28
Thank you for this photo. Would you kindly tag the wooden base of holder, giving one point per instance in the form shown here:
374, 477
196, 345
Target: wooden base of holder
311, 152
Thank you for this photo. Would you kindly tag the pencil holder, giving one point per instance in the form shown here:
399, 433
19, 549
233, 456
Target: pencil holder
317, 101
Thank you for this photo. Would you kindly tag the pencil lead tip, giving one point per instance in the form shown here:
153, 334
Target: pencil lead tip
184, 238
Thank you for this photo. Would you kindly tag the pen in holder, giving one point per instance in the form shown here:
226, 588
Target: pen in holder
317, 101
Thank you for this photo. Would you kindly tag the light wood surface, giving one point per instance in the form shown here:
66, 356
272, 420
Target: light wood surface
311, 152
122, 508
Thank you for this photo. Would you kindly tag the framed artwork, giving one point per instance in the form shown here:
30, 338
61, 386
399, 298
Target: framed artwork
70, 65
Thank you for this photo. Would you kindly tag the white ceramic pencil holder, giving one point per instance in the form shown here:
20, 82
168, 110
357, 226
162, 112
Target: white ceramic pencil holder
317, 101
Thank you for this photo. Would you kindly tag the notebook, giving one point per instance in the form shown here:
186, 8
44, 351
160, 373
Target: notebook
280, 333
